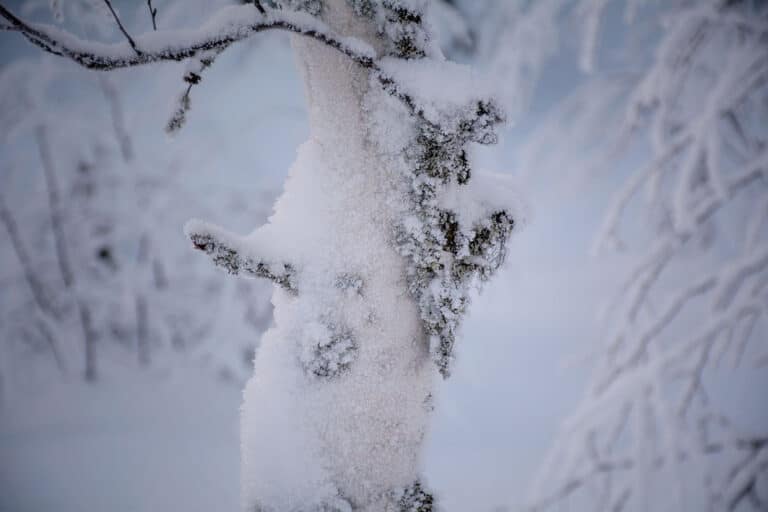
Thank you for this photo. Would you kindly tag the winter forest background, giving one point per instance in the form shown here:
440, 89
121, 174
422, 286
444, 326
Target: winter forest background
617, 362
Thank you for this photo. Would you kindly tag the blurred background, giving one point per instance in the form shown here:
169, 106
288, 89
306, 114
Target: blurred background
619, 361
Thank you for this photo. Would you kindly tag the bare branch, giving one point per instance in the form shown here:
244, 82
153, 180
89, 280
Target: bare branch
122, 28
153, 13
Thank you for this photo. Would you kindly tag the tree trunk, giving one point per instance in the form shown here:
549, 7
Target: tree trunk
381, 234
335, 413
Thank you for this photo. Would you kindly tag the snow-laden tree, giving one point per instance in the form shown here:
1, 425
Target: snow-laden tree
685, 125
381, 232
653, 430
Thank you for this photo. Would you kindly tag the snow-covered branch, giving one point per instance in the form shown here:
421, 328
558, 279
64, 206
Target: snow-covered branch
230, 253
228, 26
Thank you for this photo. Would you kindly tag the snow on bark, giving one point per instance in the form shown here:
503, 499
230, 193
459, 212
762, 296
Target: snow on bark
388, 234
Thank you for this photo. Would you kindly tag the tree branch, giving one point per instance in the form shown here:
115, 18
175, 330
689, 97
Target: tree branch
122, 28
230, 25
192, 77
153, 13
227, 251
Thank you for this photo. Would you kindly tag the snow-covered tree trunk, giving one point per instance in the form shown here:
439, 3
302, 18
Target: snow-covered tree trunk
342, 378
381, 232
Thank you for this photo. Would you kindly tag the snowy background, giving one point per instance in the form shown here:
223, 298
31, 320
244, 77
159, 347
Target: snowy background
158, 427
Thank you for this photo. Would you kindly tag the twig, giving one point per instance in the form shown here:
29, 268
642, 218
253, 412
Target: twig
192, 77
153, 13
259, 6
122, 28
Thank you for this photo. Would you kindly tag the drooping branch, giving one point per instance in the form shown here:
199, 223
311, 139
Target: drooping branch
192, 77
229, 252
